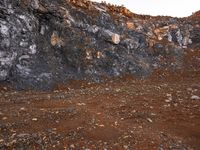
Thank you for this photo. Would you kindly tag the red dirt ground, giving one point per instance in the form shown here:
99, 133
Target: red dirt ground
160, 112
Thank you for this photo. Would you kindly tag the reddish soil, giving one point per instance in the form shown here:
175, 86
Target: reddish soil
160, 112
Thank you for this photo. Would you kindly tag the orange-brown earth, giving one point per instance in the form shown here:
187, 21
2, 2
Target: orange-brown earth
158, 112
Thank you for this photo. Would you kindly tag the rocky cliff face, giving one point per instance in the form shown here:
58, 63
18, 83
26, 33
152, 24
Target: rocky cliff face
44, 42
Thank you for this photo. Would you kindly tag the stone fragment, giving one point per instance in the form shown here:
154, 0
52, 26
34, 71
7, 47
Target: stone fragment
35, 4
130, 25
4, 29
34, 119
56, 40
131, 43
33, 49
115, 38
195, 97
110, 36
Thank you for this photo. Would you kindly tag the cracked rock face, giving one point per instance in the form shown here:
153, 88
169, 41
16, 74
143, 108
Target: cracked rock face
45, 42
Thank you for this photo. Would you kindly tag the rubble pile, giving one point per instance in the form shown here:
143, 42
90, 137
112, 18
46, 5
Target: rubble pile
45, 42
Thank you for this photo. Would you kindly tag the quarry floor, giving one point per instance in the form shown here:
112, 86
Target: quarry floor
161, 112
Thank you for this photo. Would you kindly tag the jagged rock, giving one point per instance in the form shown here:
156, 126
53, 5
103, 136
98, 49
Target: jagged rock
56, 40
110, 36
45, 42
130, 25
132, 43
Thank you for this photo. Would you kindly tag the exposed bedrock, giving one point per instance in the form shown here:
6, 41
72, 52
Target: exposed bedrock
45, 42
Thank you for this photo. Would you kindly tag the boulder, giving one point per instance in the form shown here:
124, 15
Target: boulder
110, 36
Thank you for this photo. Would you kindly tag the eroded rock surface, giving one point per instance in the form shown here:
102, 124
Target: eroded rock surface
44, 42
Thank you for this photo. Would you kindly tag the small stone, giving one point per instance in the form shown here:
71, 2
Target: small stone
4, 118
189, 89
153, 114
175, 104
22, 109
34, 119
168, 100
110, 36
89, 55
23, 44
35, 4
99, 55
125, 147
140, 127
169, 95
149, 120
5, 88
72, 146
4, 29
195, 97
130, 25
81, 104
168, 105
57, 112
107, 89
1, 140
116, 123
33, 49
117, 90
151, 107
56, 40
48, 96
100, 125
115, 38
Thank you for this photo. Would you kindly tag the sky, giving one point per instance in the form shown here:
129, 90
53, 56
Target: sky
176, 8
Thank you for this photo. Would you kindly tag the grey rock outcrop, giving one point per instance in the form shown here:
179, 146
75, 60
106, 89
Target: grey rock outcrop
45, 42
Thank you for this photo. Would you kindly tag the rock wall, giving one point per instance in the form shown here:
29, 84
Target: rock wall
45, 42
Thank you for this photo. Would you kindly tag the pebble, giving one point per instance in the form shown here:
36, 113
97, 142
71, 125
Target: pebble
100, 125
168, 105
175, 104
125, 147
116, 123
5, 88
4, 118
169, 95
81, 104
22, 109
140, 127
34, 119
149, 120
107, 89
72, 146
153, 114
168, 100
189, 89
117, 90
195, 97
